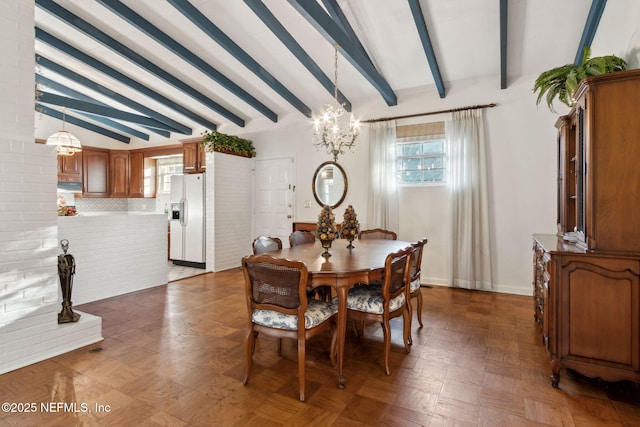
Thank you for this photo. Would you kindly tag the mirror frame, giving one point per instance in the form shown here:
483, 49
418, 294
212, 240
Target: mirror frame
315, 177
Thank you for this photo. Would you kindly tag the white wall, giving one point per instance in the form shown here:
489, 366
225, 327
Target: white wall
29, 289
229, 201
521, 156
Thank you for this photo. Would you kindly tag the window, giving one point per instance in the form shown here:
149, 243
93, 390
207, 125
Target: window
165, 168
421, 154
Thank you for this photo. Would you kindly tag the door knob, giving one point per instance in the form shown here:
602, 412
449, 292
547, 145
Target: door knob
289, 216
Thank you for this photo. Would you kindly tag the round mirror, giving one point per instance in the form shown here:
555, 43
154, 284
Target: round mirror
329, 184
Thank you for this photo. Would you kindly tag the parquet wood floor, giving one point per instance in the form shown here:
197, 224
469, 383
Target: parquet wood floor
173, 355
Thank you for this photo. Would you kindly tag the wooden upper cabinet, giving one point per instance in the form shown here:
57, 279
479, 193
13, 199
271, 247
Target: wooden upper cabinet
95, 171
119, 173
70, 168
194, 157
136, 174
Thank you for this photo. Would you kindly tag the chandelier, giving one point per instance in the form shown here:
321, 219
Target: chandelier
333, 131
66, 144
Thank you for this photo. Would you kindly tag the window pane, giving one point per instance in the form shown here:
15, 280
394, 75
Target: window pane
412, 149
433, 147
433, 175
411, 163
432, 163
411, 176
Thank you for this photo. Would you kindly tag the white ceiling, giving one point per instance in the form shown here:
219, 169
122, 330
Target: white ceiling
465, 35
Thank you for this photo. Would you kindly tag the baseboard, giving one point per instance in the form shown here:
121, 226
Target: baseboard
498, 288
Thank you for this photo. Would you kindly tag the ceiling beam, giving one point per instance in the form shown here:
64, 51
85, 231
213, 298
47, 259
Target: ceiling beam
172, 125
210, 29
326, 26
136, 58
161, 37
81, 123
43, 81
339, 18
503, 43
423, 32
90, 107
62, 46
258, 7
590, 27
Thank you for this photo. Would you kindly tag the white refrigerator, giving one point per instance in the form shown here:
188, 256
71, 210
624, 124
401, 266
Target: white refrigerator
187, 220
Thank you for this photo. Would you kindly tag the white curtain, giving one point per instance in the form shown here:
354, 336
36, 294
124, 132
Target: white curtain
471, 255
382, 207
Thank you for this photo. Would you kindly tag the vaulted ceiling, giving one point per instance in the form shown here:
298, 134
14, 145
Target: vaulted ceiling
159, 71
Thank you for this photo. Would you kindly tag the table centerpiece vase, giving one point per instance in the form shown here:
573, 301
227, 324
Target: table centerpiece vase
350, 226
326, 229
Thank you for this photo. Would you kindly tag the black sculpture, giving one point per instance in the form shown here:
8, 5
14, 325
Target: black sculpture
66, 270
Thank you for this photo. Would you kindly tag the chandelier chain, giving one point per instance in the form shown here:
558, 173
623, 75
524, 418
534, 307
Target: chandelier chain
335, 73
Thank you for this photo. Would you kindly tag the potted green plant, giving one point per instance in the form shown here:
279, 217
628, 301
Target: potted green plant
561, 82
229, 144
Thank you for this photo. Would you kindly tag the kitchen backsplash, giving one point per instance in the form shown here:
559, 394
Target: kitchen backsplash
108, 205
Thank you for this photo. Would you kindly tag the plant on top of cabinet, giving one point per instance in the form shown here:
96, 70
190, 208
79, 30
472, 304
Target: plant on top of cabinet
229, 144
562, 81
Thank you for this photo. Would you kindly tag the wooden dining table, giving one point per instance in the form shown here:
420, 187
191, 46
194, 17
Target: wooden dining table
342, 270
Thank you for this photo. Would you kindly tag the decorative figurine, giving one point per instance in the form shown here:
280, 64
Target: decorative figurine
66, 270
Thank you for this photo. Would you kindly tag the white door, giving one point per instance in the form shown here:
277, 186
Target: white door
274, 198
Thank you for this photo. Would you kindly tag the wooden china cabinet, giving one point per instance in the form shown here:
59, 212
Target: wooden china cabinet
587, 277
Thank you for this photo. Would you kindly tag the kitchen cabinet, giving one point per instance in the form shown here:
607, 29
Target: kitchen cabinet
119, 173
136, 174
193, 157
95, 172
70, 168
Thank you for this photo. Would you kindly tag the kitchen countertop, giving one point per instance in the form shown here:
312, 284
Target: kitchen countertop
117, 213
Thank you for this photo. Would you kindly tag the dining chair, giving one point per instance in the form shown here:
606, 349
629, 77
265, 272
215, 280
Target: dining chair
299, 237
377, 233
414, 281
266, 244
278, 307
384, 302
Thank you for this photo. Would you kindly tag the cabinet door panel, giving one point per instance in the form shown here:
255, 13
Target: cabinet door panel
119, 174
136, 183
600, 315
190, 157
95, 170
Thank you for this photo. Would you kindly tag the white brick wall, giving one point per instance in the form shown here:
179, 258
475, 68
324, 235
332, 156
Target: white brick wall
29, 287
229, 195
115, 254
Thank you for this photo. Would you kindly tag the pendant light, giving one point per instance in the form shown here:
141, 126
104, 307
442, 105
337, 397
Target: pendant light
66, 143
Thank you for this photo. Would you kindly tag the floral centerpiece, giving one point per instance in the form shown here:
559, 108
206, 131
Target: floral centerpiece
326, 230
64, 210
350, 226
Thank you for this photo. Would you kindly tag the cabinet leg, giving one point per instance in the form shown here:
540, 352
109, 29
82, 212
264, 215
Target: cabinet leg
555, 372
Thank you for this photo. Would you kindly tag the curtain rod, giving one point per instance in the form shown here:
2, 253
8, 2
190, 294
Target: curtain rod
473, 107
